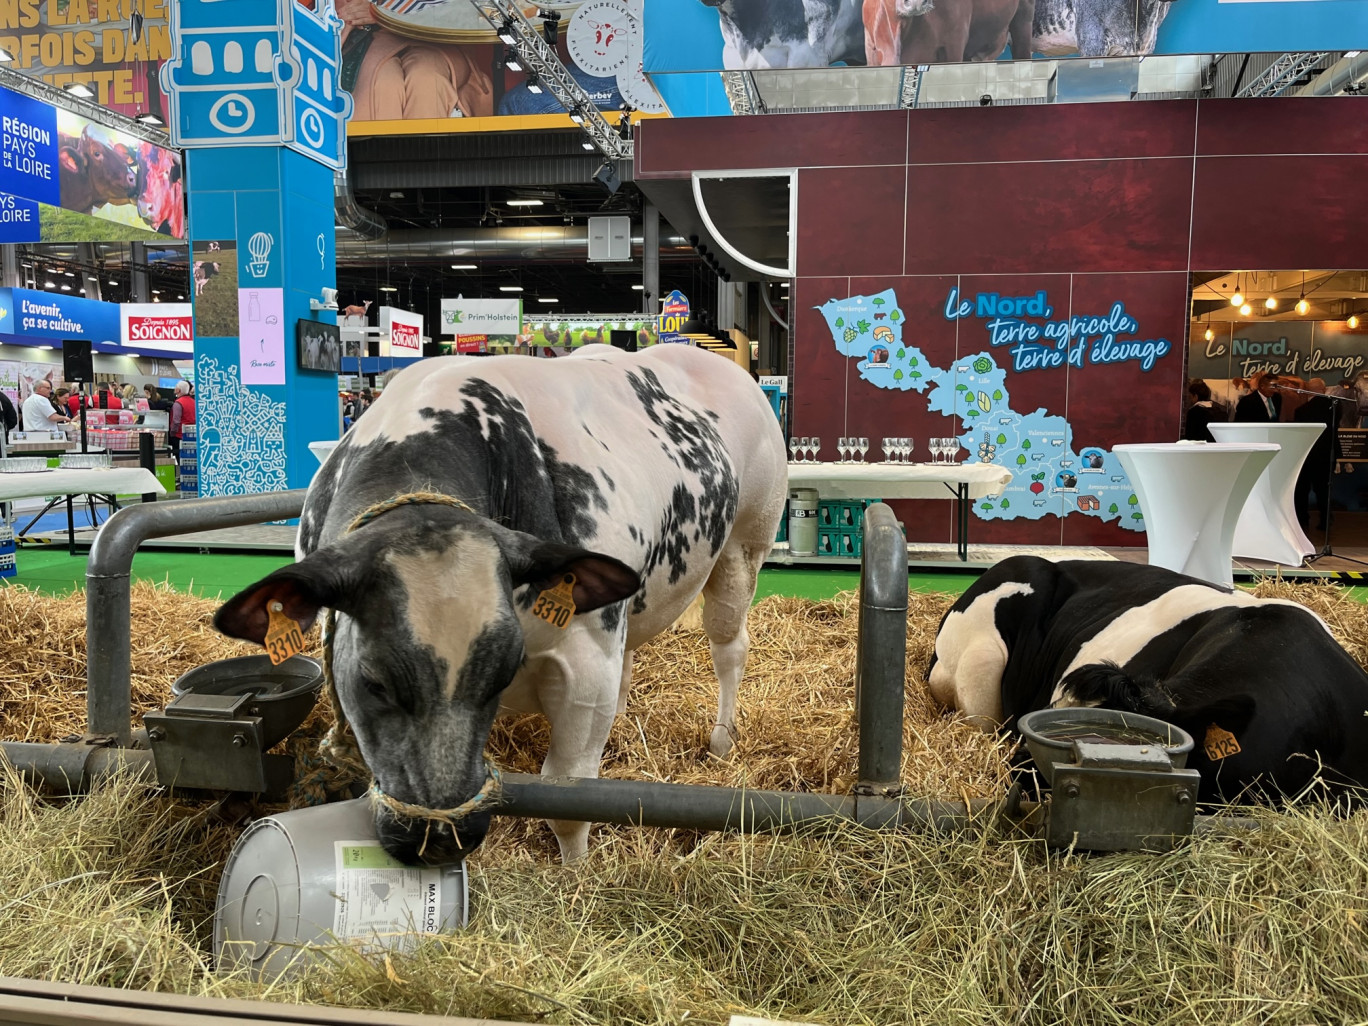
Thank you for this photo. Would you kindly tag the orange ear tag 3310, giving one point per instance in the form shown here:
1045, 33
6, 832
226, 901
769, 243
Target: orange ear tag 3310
283, 636
556, 605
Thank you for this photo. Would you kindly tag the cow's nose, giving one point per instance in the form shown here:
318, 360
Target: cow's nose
428, 842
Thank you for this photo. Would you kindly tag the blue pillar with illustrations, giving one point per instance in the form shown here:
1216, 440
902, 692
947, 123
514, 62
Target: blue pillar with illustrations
254, 99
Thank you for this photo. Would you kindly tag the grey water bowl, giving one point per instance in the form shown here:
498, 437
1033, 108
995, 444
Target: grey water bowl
282, 695
1050, 735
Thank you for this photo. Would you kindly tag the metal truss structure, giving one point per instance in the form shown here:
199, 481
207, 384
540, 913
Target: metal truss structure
541, 60
1282, 74
742, 93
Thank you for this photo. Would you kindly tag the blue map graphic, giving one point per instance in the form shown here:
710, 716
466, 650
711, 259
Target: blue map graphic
1048, 475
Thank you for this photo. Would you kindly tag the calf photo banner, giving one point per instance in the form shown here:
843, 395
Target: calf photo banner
64, 178
689, 36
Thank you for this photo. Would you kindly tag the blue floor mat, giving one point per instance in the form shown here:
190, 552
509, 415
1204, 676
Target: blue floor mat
55, 520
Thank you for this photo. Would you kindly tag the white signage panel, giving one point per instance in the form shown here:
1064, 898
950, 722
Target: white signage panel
401, 332
169, 327
481, 316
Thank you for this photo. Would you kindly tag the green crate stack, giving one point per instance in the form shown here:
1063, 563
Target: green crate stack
782, 536
839, 526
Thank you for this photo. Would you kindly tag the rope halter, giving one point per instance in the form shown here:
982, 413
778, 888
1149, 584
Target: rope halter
339, 744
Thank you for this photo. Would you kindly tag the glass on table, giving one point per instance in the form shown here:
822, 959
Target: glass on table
864, 447
888, 447
816, 448
794, 441
905, 448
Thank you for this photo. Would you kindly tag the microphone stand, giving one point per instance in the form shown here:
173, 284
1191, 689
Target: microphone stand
1326, 550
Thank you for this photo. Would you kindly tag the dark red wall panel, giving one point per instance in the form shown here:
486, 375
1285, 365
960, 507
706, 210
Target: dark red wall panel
850, 220
1280, 211
1293, 124
1084, 216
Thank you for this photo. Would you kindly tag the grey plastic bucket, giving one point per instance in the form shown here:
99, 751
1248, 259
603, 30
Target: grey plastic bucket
318, 877
802, 530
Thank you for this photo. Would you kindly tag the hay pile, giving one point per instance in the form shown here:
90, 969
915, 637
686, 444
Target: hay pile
657, 926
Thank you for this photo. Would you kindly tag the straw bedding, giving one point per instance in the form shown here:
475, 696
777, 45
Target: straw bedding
657, 926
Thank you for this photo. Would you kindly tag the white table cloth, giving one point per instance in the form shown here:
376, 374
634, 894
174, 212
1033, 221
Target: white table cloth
105, 481
962, 482
899, 480
1268, 527
1191, 495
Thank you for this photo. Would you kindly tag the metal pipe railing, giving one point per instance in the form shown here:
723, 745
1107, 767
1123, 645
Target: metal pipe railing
109, 704
881, 665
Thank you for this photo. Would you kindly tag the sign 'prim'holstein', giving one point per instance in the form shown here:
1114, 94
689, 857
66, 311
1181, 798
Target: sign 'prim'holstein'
1272, 700
650, 477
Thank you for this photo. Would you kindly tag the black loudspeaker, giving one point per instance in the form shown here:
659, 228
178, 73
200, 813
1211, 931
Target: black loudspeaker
623, 339
77, 364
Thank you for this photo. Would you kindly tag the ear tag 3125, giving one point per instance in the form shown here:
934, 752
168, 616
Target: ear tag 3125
556, 605
283, 636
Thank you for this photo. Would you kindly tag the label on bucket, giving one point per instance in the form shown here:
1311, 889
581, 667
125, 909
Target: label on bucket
377, 894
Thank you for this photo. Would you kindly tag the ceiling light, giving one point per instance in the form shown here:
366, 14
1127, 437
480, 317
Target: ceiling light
1353, 321
156, 292
534, 84
388, 288
1246, 310
149, 119
45, 347
1351, 54
524, 202
464, 267
587, 144
1270, 303
1238, 298
639, 288
547, 299
79, 90
1210, 334
507, 34
5, 57
49, 284
113, 283
66, 287
1303, 306
512, 61
180, 297
510, 288
577, 115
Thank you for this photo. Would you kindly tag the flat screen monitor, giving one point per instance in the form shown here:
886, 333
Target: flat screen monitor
320, 346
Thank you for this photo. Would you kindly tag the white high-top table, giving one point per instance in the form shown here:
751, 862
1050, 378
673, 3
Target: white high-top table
1268, 527
105, 481
1191, 495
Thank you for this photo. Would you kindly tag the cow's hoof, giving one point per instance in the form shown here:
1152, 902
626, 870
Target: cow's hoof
721, 744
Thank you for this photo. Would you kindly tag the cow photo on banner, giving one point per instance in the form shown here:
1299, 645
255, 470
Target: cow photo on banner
756, 34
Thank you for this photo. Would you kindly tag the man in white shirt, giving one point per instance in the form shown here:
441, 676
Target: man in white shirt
39, 413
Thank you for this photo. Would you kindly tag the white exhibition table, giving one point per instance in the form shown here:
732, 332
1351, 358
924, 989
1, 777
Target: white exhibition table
109, 481
1191, 495
963, 482
1268, 527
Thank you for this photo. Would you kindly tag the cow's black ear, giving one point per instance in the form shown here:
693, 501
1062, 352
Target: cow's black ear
600, 580
302, 589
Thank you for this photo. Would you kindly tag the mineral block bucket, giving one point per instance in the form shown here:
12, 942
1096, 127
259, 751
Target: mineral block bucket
319, 877
803, 521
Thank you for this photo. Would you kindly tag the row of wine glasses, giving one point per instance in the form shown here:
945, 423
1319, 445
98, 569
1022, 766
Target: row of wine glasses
897, 450
849, 447
943, 449
809, 444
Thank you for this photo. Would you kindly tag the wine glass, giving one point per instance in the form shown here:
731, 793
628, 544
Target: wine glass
937, 447
816, 448
864, 447
887, 448
793, 448
804, 443
952, 447
906, 449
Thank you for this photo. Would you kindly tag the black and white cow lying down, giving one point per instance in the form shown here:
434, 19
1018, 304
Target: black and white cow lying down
1030, 634
652, 477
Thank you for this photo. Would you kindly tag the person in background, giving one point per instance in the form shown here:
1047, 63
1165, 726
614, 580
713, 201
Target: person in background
1201, 413
128, 394
155, 400
8, 414
1262, 405
38, 412
182, 413
61, 398
1316, 468
1239, 388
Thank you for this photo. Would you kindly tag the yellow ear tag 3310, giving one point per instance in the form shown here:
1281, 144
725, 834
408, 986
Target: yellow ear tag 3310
1220, 744
283, 636
556, 605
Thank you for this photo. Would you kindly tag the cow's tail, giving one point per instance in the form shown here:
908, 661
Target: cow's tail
1109, 686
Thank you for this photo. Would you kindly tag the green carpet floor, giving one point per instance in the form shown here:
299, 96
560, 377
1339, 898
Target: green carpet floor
50, 570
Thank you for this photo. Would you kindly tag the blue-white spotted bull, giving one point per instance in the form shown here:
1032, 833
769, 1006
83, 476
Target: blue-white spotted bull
650, 477
1270, 697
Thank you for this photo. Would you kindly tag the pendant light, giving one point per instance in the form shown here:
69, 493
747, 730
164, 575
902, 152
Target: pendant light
1238, 298
1302, 305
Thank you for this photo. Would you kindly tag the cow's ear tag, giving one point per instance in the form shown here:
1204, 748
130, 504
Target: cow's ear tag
283, 636
1220, 744
556, 604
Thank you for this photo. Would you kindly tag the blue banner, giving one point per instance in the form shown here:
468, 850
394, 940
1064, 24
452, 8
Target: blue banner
47, 315
28, 149
688, 36
19, 220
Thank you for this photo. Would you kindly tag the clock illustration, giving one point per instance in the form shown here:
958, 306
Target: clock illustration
232, 113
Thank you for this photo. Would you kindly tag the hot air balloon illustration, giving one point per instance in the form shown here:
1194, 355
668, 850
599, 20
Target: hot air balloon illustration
259, 245
883, 333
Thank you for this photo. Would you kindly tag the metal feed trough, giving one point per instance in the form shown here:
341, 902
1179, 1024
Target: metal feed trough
214, 735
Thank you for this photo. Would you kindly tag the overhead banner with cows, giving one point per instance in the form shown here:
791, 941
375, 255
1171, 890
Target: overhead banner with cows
689, 36
64, 178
